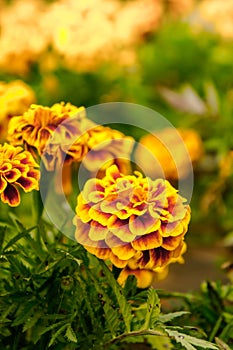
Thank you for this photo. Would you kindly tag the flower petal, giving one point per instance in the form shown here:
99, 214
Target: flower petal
150, 241
120, 228
97, 231
28, 184
10, 196
172, 242
124, 252
12, 175
101, 253
144, 277
158, 257
117, 262
3, 183
141, 225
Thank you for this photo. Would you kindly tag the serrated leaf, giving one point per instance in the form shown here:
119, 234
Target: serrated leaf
56, 334
170, 316
130, 285
6, 313
70, 334
125, 307
153, 309
23, 312
112, 319
53, 326
32, 320
188, 341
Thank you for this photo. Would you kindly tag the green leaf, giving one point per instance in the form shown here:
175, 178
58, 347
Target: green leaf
188, 341
2, 235
153, 309
56, 334
159, 342
53, 326
22, 234
70, 334
221, 344
112, 319
6, 313
32, 320
125, 307
23, 312
170, 316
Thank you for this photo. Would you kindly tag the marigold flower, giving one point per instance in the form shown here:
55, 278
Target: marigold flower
217, 16
17, 170
35, 130
134, 222
15, 98
107, 146
171, 152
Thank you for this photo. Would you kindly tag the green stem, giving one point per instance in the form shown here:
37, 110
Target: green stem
215, 329
132, 334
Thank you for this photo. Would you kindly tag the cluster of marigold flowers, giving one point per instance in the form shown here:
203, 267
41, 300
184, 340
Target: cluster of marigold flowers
137, 223
87, 32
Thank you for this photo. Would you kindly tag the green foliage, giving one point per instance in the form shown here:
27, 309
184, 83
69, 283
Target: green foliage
54, 295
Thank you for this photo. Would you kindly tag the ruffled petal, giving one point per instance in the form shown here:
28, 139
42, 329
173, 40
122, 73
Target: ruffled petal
3, 183
12, 175
150, 241
28, 184
172, 242
97, 231
10, 196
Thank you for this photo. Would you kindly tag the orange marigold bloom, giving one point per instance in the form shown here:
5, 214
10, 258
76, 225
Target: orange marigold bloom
17, 170
134, 222
172, 156
35, 129
107, 146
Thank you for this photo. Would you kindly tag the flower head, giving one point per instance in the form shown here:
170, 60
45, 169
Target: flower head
107, 146
173, 150
35, 129
134, 222
17, 170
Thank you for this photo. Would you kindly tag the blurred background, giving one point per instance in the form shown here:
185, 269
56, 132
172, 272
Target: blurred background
174, 56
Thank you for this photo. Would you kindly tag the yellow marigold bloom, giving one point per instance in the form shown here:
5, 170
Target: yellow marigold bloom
134, 222
218, 16
15, 98
37, 126
17, 170
171, 157
107, 146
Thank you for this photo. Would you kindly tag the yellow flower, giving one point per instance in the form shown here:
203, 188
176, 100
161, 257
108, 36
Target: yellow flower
17, 170
37, 126
107, 146
134, 222
164, 150
217, 15
15, 98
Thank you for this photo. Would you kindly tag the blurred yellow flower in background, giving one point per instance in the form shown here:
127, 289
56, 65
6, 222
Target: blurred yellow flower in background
134, 222
15, 99
165, 153
86, 33
17, 170
220, 14
22, 39
107, 146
